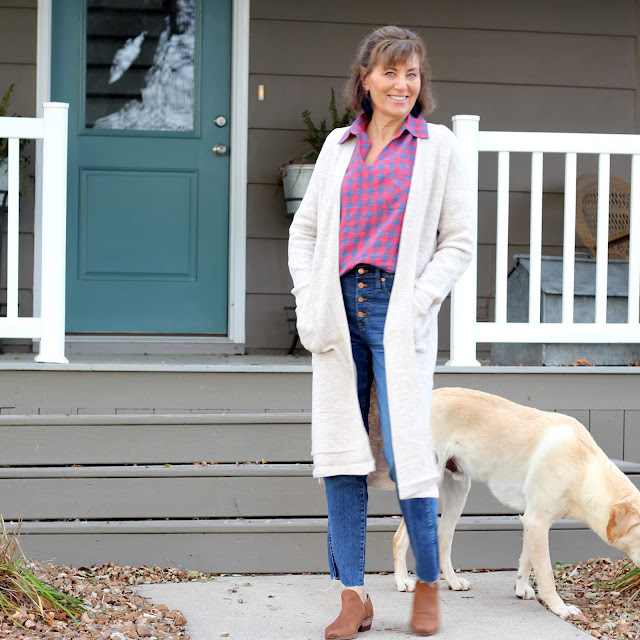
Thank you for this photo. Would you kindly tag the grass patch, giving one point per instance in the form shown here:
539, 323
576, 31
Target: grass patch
23, 596
628, 581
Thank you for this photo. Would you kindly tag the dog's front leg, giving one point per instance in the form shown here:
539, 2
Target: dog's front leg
400, 547
536, 531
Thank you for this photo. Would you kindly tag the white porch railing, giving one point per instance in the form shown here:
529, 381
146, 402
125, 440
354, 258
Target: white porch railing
48, 327
466, 331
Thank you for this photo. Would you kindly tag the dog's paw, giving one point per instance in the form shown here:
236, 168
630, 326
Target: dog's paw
525, 592
568, 610
405, 583
459, 584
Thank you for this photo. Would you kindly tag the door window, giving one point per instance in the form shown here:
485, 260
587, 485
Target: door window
140, 60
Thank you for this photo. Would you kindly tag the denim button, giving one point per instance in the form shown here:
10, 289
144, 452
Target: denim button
361, 285
361, 314
361, 299
361, 270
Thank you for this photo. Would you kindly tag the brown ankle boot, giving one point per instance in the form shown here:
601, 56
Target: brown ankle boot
355, 616
426, 617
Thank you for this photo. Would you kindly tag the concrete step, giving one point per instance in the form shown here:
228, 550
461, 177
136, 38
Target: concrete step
112, 384
189, 491
153, 439
159, 385
283, 545
224, 492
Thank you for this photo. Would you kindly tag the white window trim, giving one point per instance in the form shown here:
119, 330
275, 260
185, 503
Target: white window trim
238, 159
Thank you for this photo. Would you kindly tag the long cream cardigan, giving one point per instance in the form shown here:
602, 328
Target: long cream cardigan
435, 248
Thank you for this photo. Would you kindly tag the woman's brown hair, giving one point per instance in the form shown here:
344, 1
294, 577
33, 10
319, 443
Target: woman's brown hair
390, 45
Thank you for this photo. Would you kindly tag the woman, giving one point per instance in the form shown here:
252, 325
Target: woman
380, 238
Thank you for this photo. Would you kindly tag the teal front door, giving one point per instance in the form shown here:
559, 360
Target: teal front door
148, 84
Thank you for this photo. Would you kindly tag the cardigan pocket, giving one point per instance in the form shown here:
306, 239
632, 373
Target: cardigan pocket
422, 301
423, 319
306, 322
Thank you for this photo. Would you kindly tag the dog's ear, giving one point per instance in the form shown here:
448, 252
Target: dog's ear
623, 516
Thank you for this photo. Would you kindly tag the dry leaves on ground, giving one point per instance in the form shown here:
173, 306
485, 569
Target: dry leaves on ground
606, 614
114, 611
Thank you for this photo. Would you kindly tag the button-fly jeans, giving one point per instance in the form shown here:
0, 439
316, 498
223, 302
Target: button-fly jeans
366, 291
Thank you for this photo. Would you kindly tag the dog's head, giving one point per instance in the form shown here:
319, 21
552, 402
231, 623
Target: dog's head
623, 531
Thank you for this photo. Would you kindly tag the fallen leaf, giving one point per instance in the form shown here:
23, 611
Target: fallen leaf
582, 362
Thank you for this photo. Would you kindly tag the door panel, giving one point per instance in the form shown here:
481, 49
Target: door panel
170, 254
147, 198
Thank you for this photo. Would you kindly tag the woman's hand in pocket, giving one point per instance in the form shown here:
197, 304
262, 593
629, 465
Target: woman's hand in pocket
306, 322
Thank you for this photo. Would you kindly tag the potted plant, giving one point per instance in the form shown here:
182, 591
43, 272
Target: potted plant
4, 148
297, 172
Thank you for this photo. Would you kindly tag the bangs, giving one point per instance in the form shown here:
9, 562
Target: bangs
391, 53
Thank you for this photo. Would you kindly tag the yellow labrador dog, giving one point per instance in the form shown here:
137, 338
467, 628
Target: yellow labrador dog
543, 465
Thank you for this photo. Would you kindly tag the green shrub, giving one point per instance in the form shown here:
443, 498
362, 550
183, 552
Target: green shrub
4, 142
318, 134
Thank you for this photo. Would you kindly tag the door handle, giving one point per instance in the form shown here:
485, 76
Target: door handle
220, 149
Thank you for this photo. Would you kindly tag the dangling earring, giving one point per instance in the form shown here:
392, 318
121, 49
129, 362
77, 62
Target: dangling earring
366, 104
416, 112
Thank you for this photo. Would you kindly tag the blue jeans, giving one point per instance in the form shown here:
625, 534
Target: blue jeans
366, 291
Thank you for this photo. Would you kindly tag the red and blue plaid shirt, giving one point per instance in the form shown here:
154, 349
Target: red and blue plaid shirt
373, 198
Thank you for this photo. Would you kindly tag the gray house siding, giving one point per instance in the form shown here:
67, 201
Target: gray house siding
543, 66
520, 65
18, 35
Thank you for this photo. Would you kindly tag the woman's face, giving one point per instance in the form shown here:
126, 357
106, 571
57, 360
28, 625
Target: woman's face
394, 89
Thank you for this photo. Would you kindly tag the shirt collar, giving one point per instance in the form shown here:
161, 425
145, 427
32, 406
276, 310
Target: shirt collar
358, 127
416, 126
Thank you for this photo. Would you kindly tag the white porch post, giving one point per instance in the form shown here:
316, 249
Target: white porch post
464, 294
54, 236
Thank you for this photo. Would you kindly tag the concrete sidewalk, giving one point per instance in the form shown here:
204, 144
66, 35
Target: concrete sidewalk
295, 607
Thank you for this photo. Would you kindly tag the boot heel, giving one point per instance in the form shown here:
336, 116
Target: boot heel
366, 624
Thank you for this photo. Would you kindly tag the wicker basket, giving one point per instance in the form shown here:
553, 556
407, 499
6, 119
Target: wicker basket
619, 209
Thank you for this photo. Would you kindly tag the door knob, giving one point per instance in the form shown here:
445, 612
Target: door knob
220, 149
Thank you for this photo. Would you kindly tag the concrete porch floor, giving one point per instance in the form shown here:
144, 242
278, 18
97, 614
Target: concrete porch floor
153, 362
256, 362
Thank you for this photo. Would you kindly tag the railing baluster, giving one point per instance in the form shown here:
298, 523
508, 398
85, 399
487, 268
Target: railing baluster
634, 243
602, 237
535, 238
502, 237
569, 242
13, 228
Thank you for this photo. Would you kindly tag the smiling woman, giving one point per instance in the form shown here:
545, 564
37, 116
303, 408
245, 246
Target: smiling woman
380, 237
393, 91
391, 46
393, 88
